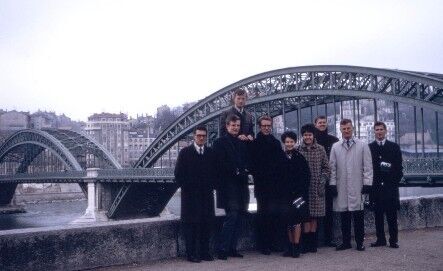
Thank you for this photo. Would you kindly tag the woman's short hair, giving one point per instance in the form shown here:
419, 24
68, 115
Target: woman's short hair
231, 118
292, 135
308, 128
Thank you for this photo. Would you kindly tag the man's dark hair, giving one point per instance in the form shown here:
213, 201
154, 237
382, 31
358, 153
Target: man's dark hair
200, 128
308, 128
380, 123
231, 118
265, 117
289, 134
345, 121
321, 117
239, 92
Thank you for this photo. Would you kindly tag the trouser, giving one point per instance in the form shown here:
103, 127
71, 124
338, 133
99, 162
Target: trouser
231, 230
197, 237
269, 224
359, 226
328, 222
391, 217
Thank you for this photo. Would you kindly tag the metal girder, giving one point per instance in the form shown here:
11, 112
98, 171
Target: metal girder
42, 139
343, 82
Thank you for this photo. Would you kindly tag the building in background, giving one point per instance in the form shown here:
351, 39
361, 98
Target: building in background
111, 131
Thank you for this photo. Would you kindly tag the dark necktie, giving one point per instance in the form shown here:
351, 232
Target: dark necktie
200, 150
348, 143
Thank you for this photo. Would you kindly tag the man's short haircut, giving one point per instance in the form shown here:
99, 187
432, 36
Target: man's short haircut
308, 128
289, 134
200, 128
380, 123
345, 121
231, 118
239, 92
321, 117
262, 118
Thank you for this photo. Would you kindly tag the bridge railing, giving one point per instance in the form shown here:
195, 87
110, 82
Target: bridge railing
417, 172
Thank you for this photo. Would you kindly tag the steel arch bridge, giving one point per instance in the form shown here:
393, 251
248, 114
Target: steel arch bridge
280, 91
75, 151
289, 89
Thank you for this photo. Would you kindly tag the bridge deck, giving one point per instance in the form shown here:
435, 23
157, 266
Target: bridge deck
419, 250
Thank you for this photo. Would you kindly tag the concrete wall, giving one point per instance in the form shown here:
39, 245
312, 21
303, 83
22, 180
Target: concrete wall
144, 240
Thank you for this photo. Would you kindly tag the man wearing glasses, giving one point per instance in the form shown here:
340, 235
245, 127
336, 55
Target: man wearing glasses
194, 173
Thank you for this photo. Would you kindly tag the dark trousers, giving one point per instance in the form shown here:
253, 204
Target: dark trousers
231, 230
359, 226
268, 224
391, 217
197, 238
328, 221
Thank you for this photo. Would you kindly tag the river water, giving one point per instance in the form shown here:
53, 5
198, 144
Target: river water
64, 212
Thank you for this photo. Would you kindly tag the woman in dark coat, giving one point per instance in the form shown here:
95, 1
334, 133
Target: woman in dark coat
295, 184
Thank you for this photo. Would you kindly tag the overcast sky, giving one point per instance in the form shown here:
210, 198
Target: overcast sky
84, 57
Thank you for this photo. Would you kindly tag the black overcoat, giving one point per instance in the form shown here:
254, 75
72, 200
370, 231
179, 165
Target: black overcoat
268, 158
385, 194
295, 183
326, 140
195, 174
246, 122
232, 166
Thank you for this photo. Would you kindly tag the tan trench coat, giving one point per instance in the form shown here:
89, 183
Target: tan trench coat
350, 170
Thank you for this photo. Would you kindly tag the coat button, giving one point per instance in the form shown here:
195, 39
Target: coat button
382, 183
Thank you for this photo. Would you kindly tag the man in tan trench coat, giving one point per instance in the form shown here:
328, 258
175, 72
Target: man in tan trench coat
351, 177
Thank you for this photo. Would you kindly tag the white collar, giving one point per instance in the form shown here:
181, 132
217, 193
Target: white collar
239, 110
383, 142
197, 148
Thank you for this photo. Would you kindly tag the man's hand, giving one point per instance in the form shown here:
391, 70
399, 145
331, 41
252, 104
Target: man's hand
366, 189
250, 137
243, 137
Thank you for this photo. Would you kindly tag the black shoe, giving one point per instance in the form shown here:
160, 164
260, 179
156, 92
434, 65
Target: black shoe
378, 244
193, 259
288, 250
343, 247
305, 241
265, 251
361, 247
207, 257
330, 244
313, 242
235, 254
221, 255
295, 251
393, 245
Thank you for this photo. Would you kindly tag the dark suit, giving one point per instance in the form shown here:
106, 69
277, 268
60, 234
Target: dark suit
232, 161
194, 173
326, 140
246, 122
268, 158
385, 196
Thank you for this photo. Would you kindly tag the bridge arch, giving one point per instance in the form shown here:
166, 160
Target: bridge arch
304, 87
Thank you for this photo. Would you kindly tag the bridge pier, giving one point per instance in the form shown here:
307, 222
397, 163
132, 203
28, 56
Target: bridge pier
93, 213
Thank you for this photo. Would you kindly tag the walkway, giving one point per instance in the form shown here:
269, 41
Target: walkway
419, 250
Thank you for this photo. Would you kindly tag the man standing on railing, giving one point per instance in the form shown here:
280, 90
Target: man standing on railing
384, 197
246, 132
194, 173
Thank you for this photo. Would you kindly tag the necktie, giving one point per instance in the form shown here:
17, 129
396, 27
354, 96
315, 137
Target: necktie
201, 151
348, 143
380, 143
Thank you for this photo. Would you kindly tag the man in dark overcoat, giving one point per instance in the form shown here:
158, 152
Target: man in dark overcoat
232, 167
268, 158
384, 197
326, 140
194, 173
246, 132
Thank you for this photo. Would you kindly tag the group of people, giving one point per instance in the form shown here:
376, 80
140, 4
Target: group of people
296, 186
